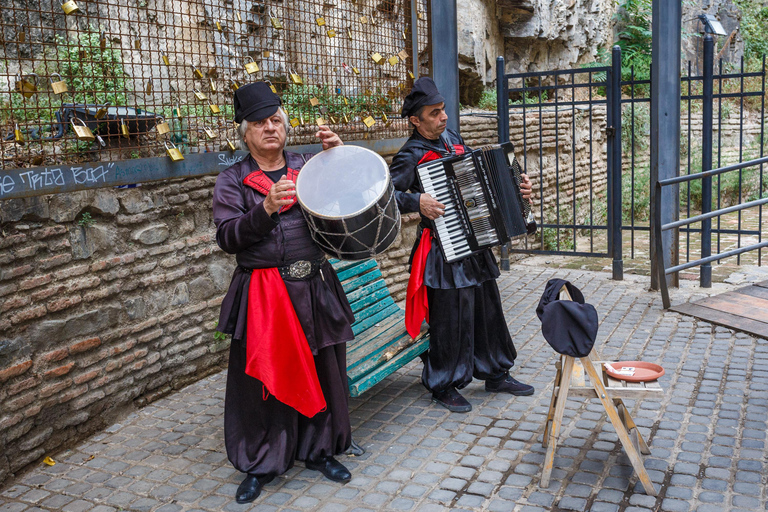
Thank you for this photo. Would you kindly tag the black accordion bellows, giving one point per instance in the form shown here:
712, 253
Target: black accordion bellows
484, 206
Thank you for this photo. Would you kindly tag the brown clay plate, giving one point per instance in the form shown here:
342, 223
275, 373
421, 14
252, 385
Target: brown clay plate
644, 372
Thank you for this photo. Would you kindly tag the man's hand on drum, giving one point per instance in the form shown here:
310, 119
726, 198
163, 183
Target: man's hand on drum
280, 195
328, 137
526, 187
430, 207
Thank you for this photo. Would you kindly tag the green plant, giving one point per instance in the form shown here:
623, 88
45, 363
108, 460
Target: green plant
633, 25
86, 220
92, 68
754, 20
488, 99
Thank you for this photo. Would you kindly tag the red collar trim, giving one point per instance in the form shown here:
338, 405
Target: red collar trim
260, 182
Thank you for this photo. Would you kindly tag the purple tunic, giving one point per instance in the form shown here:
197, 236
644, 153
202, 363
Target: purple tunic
258, 240
264, 437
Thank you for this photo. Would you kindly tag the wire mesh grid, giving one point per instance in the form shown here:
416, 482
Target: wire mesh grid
110, 80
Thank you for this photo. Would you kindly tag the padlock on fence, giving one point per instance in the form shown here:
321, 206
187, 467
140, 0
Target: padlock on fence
251, 67
162, 127
82, 132
26, 84
59, 86
173, 152
70, 7
17, 135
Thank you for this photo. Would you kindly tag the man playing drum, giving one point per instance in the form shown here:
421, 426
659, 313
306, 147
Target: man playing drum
468, 334
286, 396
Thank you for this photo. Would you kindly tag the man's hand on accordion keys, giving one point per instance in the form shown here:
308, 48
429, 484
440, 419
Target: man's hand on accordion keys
430, 207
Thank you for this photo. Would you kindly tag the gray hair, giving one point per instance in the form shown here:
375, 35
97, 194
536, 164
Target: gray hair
418, 114
243, 127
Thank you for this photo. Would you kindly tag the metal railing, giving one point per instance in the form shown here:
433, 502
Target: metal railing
705, 218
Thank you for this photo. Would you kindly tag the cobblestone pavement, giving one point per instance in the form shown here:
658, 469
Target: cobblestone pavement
707, 435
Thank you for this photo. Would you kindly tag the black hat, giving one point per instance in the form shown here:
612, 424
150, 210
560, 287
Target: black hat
255, 101
424, 92
569, 326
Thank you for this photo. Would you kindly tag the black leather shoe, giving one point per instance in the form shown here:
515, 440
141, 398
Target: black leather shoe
249, 489
452, 400
508, 385
331, 469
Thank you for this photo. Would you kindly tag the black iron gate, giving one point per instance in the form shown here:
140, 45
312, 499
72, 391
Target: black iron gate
575, 117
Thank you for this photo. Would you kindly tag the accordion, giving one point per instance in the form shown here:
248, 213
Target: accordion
483, 204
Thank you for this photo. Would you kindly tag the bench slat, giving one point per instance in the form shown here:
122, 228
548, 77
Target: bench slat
372, 309
360, 386
391, 324
373, 319
369, 299
375, 355
357, 270
350, 286
356, 295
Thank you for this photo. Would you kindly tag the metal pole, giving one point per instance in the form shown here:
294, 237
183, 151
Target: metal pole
445, 57
415, 39
618, 262
705, 271
502, 116
502, 100
665, 134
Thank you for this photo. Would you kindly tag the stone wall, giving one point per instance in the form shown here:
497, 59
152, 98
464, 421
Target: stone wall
111, 310
532, 35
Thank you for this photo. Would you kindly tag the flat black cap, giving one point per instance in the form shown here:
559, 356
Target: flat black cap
424, 92
570, 327
255, 101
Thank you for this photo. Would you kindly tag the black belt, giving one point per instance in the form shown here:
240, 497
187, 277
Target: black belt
301, 270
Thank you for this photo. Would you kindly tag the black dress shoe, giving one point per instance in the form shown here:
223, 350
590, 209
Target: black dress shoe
249, 489
452, 400
331, 469
508, 385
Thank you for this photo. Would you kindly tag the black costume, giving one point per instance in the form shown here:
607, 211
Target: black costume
468, 333
263, 436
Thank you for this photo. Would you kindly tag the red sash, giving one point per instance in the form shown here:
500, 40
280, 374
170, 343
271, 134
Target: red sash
259, 181
277, 352
416, 304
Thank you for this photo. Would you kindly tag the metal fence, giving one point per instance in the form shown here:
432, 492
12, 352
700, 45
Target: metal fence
580, 221
583, 215
94, 81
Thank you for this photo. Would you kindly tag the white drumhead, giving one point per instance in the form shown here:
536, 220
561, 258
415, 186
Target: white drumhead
342, 181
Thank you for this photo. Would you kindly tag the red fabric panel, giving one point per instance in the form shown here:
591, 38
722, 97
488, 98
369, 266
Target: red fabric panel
433, 155
416, 306
259, 181
277, 352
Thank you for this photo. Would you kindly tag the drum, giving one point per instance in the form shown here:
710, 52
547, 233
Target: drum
349, 202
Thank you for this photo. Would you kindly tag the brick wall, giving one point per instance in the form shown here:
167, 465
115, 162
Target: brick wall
103, 316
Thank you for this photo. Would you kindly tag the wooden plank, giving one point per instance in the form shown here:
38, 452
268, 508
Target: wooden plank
753, 291
353, 285
356, 270
383, 353
362, 385
627, 393
372, 309
557, 420
552, 400
365, 290
723, 318
387, 327
372, 320
369, 300
340, 265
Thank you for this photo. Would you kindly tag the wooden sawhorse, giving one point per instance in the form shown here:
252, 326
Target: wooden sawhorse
571, 379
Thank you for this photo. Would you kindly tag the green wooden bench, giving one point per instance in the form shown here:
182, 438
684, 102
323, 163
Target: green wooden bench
381, 343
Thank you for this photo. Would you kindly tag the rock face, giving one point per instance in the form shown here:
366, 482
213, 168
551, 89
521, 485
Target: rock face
531, 35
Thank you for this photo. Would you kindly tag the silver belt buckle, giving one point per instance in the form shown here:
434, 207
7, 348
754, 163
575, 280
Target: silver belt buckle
300, 269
